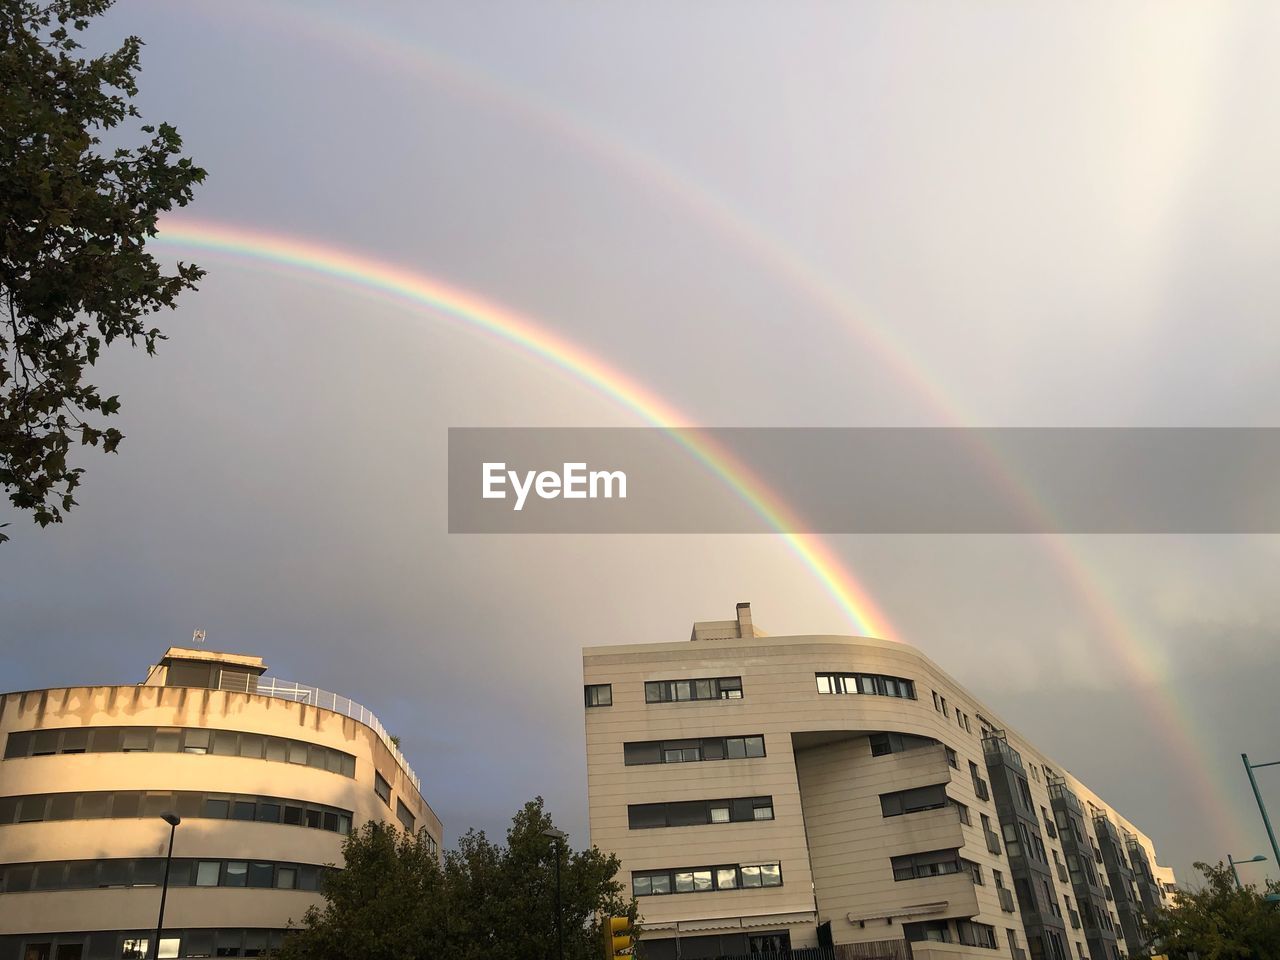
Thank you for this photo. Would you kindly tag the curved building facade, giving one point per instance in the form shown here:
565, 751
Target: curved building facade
267, 778
770, 793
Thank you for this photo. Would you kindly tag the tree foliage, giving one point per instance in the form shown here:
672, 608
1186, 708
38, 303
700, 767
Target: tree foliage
1218, 921
74, 272
394, 900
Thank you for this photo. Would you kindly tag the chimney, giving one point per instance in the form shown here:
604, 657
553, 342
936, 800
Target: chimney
745, 628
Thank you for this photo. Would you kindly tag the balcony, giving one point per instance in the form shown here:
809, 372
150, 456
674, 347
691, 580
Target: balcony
1006, 900
993, 841
996, 748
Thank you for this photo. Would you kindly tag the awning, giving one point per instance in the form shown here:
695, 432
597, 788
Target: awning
913, 910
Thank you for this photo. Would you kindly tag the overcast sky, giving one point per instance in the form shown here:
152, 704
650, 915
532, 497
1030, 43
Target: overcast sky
810, 214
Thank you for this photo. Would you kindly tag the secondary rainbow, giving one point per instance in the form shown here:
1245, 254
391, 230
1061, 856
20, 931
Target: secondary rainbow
450, 303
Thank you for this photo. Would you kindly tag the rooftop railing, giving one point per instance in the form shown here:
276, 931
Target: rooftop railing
314, 696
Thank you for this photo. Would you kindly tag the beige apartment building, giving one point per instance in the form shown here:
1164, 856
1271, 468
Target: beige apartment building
768, 794
267, 777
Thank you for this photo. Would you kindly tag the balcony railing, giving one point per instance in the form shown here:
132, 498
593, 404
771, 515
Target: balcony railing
314, 696
996, 745
1006, 899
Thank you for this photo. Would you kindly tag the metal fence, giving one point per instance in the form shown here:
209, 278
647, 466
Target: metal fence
314, 696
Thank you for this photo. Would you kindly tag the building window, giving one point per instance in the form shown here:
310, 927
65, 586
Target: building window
979, 785
598, 694
192, 740
188, 804
710, 688
933, 863
648, 883
685, 813
882, 744
873, 684
407, 819
952, 760
149, 872
382, 788
915, 800
688, 751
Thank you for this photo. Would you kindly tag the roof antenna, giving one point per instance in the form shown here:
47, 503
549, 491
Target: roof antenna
197, 636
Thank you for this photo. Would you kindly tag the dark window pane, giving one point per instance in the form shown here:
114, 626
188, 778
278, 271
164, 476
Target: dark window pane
82, 874
18, 878
687, 813
167, 740
75, 741
8, 809
148, 873
307, 877
135, 739
226, 743
188, 803
154, 804
318, 758
217, 808
251, 745
297, 752
332, 759
125, 804
18, 745
637, 753
276, 749
62, 806
331, 820
234, 873
313, 818
105, 740
45, 743
713, 749
31, 809
293, 814
642, 816
261, 875
269, 812
197, 943
196, 740
114, 873
242, 810
94, 805
50, 876
188, 674
348, 765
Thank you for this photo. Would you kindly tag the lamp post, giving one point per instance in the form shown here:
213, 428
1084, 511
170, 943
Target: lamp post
1262, 809
558, 838
172, 819
1235, 863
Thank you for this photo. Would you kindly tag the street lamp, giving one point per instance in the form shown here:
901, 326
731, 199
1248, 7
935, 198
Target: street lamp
1235, 863
1262, 809
172, 819
559, 837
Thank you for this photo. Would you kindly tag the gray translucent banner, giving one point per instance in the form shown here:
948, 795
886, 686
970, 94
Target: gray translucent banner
819, 480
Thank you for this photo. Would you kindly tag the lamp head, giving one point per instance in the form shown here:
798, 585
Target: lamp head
555, 834
171, 818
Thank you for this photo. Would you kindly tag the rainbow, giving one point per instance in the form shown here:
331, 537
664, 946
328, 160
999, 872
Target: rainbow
351, 270
1141, 655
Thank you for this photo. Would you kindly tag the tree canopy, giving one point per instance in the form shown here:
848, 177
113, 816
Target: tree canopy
1218, 921
75, 275
395, 900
